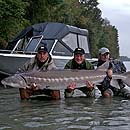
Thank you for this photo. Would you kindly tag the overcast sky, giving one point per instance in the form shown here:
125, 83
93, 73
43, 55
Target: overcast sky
118, 13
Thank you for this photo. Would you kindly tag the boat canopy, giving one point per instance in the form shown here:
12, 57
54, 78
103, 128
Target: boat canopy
50, 30
60, 39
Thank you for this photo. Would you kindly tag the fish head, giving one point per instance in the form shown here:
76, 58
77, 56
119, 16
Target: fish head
14, 81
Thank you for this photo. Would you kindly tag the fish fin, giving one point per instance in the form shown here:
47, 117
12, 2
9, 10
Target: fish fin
5, 86
115, 83
127, 74
126, 80
104, 66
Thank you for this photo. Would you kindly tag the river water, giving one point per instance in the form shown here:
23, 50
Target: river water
65, 114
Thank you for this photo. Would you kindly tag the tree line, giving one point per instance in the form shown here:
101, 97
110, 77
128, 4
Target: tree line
15, 15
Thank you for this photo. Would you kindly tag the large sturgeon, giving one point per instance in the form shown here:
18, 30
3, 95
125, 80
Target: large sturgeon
59, 79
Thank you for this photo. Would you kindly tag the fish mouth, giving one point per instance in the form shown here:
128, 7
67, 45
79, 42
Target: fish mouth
4, 82
14, 81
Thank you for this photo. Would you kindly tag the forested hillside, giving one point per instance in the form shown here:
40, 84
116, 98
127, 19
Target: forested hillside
18, 14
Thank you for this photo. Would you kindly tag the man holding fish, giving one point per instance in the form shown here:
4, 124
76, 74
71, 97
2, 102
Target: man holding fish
51, 81
115, 66
41, 62
79, 62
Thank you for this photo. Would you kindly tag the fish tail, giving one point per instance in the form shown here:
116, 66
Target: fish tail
127, 79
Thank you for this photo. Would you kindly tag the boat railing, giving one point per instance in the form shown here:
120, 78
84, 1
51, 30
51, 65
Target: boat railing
23, 52
15, 46
5, 51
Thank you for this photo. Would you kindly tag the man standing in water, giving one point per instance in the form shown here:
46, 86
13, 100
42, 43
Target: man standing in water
79, 62
115, 66
42, 61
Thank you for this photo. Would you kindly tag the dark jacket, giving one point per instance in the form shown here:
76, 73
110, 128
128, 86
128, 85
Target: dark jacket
72, 64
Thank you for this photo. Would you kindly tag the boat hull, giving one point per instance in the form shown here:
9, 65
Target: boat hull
10, 64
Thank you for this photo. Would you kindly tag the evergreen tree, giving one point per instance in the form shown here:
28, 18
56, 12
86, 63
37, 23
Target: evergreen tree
11, 19
14, 15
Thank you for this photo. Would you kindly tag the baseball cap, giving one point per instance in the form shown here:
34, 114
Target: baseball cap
104, 50
79, 51
42, 49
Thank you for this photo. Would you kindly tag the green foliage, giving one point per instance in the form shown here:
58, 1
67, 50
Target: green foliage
17, 14
12, 19
109, 38
54, 2
41, 10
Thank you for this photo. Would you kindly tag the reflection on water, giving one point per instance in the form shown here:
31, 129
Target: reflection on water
65, 114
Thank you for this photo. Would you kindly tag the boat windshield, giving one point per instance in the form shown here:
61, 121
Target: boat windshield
37, 41
33, 43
